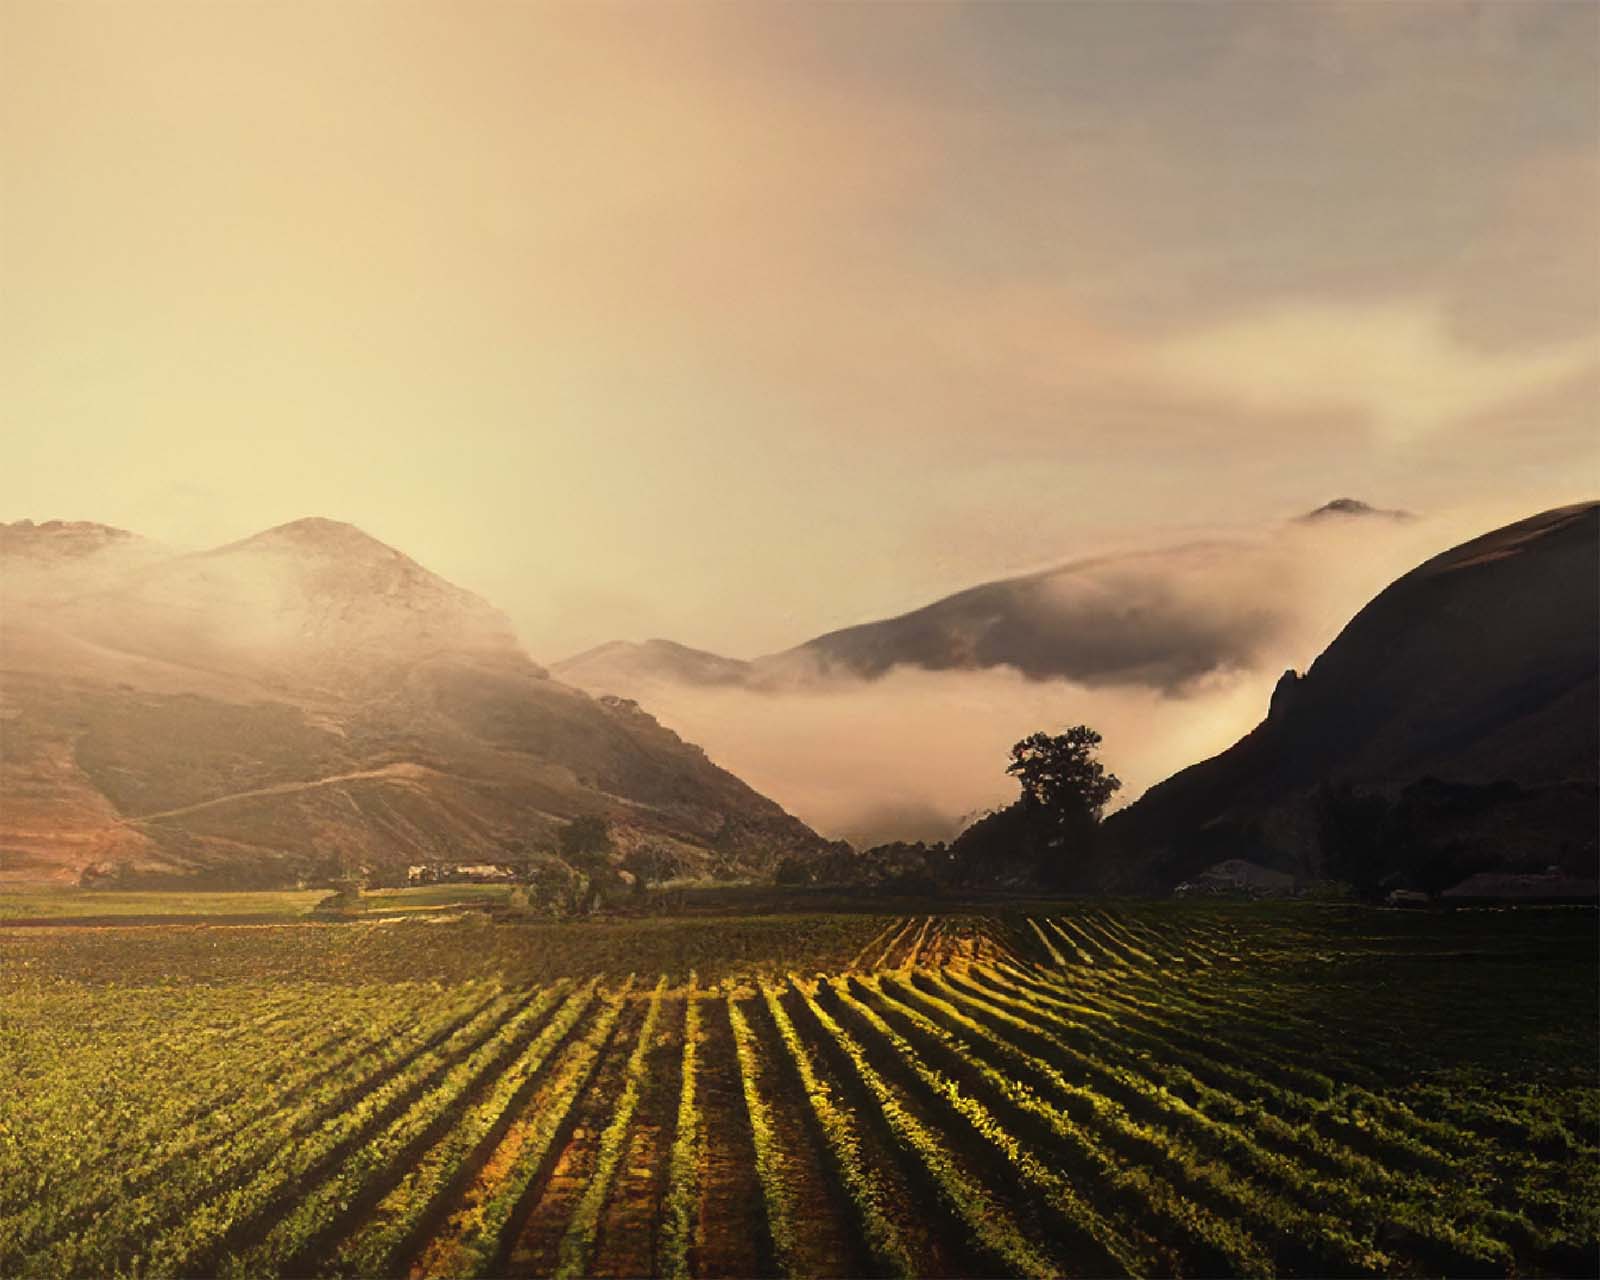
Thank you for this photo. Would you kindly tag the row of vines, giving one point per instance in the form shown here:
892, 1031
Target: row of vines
1111, 1091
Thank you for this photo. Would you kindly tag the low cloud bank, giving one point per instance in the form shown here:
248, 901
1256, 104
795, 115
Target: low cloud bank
914, 753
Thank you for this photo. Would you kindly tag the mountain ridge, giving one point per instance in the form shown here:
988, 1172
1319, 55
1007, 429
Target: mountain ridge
1143, 617
1477, 670
308, 697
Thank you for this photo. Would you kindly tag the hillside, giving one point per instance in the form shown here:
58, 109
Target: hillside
309, 698
1461, 703
623, 666
1123, 619
1162, 618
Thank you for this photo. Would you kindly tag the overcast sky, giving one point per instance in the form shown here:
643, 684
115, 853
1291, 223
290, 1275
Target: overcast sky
737, 323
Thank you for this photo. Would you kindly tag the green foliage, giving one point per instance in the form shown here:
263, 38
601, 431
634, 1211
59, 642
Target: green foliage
379, 1244
781, 1211
585, 837
577, 1245
1006, 848
1356, 834
344, 902
1157, 1088
975, 1205
1049, 837
30, 903
678, 1208
484, 1242
841, 1130
651, 864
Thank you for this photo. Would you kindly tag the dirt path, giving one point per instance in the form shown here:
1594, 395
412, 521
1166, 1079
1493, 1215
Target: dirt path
830, 1234
731, 1233
631, 1223
538, 1244
401, 772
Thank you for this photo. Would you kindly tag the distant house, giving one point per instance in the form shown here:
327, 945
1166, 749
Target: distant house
456, 872
481, 871
1237, 876
1552, 886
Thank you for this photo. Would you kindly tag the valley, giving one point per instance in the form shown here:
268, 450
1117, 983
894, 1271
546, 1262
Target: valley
825, 640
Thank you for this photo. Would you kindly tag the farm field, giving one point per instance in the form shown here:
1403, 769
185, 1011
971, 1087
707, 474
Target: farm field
1096, 1089
72, 905
77, 904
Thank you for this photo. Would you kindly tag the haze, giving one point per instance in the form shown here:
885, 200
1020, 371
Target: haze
736, 324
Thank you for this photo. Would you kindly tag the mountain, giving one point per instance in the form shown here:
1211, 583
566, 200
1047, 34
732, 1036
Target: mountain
1124, 619
625, 665
310, 697
1451, 727
56, 542
1352, 509
311, 602
1161, 619
59, 558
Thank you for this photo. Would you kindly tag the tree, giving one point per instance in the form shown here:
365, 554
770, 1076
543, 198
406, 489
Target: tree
586, 835
1356, 834
555, 887
1060, 774
651, 864
1006, 847
1049, 835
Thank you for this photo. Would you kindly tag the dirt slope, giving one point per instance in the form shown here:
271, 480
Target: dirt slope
311, 697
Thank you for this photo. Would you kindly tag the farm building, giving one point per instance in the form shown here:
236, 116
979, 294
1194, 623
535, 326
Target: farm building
1552, 886
1236, 875
448, 872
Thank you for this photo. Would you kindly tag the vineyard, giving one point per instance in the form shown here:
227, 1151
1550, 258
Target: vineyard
1161, 1089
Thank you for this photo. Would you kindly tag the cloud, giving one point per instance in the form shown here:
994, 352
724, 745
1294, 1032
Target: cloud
738, 323
1531, 277
1397, 363
912, 753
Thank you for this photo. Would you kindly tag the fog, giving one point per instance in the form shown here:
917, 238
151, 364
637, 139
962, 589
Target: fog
1170, 651
741, 323
914, 754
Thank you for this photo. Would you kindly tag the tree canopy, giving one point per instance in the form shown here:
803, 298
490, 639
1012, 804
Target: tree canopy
586, 835
1060, 774
1049, 836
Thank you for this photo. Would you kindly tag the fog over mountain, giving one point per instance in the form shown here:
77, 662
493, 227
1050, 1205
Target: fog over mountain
919, 375
741, 325
900, 728
1463, 698
310, 698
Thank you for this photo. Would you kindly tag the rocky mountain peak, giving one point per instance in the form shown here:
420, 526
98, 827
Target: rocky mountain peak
320, 534
63, 539
1351, 508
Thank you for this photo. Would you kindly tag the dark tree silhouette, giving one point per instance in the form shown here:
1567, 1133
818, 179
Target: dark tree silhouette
1060, 774
1050, 836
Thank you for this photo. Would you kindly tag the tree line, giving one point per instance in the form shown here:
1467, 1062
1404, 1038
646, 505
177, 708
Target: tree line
1047, 838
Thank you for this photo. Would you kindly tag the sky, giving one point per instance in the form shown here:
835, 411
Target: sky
739, 323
